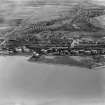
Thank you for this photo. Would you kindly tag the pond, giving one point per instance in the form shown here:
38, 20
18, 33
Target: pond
23, 82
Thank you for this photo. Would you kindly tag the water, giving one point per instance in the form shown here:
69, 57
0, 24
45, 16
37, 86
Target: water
23, 82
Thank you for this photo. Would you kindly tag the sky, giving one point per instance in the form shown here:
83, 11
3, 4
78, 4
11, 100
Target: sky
43, 0
99, 1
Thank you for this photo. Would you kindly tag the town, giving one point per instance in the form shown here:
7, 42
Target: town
74, 35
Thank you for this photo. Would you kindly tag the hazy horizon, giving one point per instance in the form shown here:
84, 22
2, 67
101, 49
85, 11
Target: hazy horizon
22, 9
